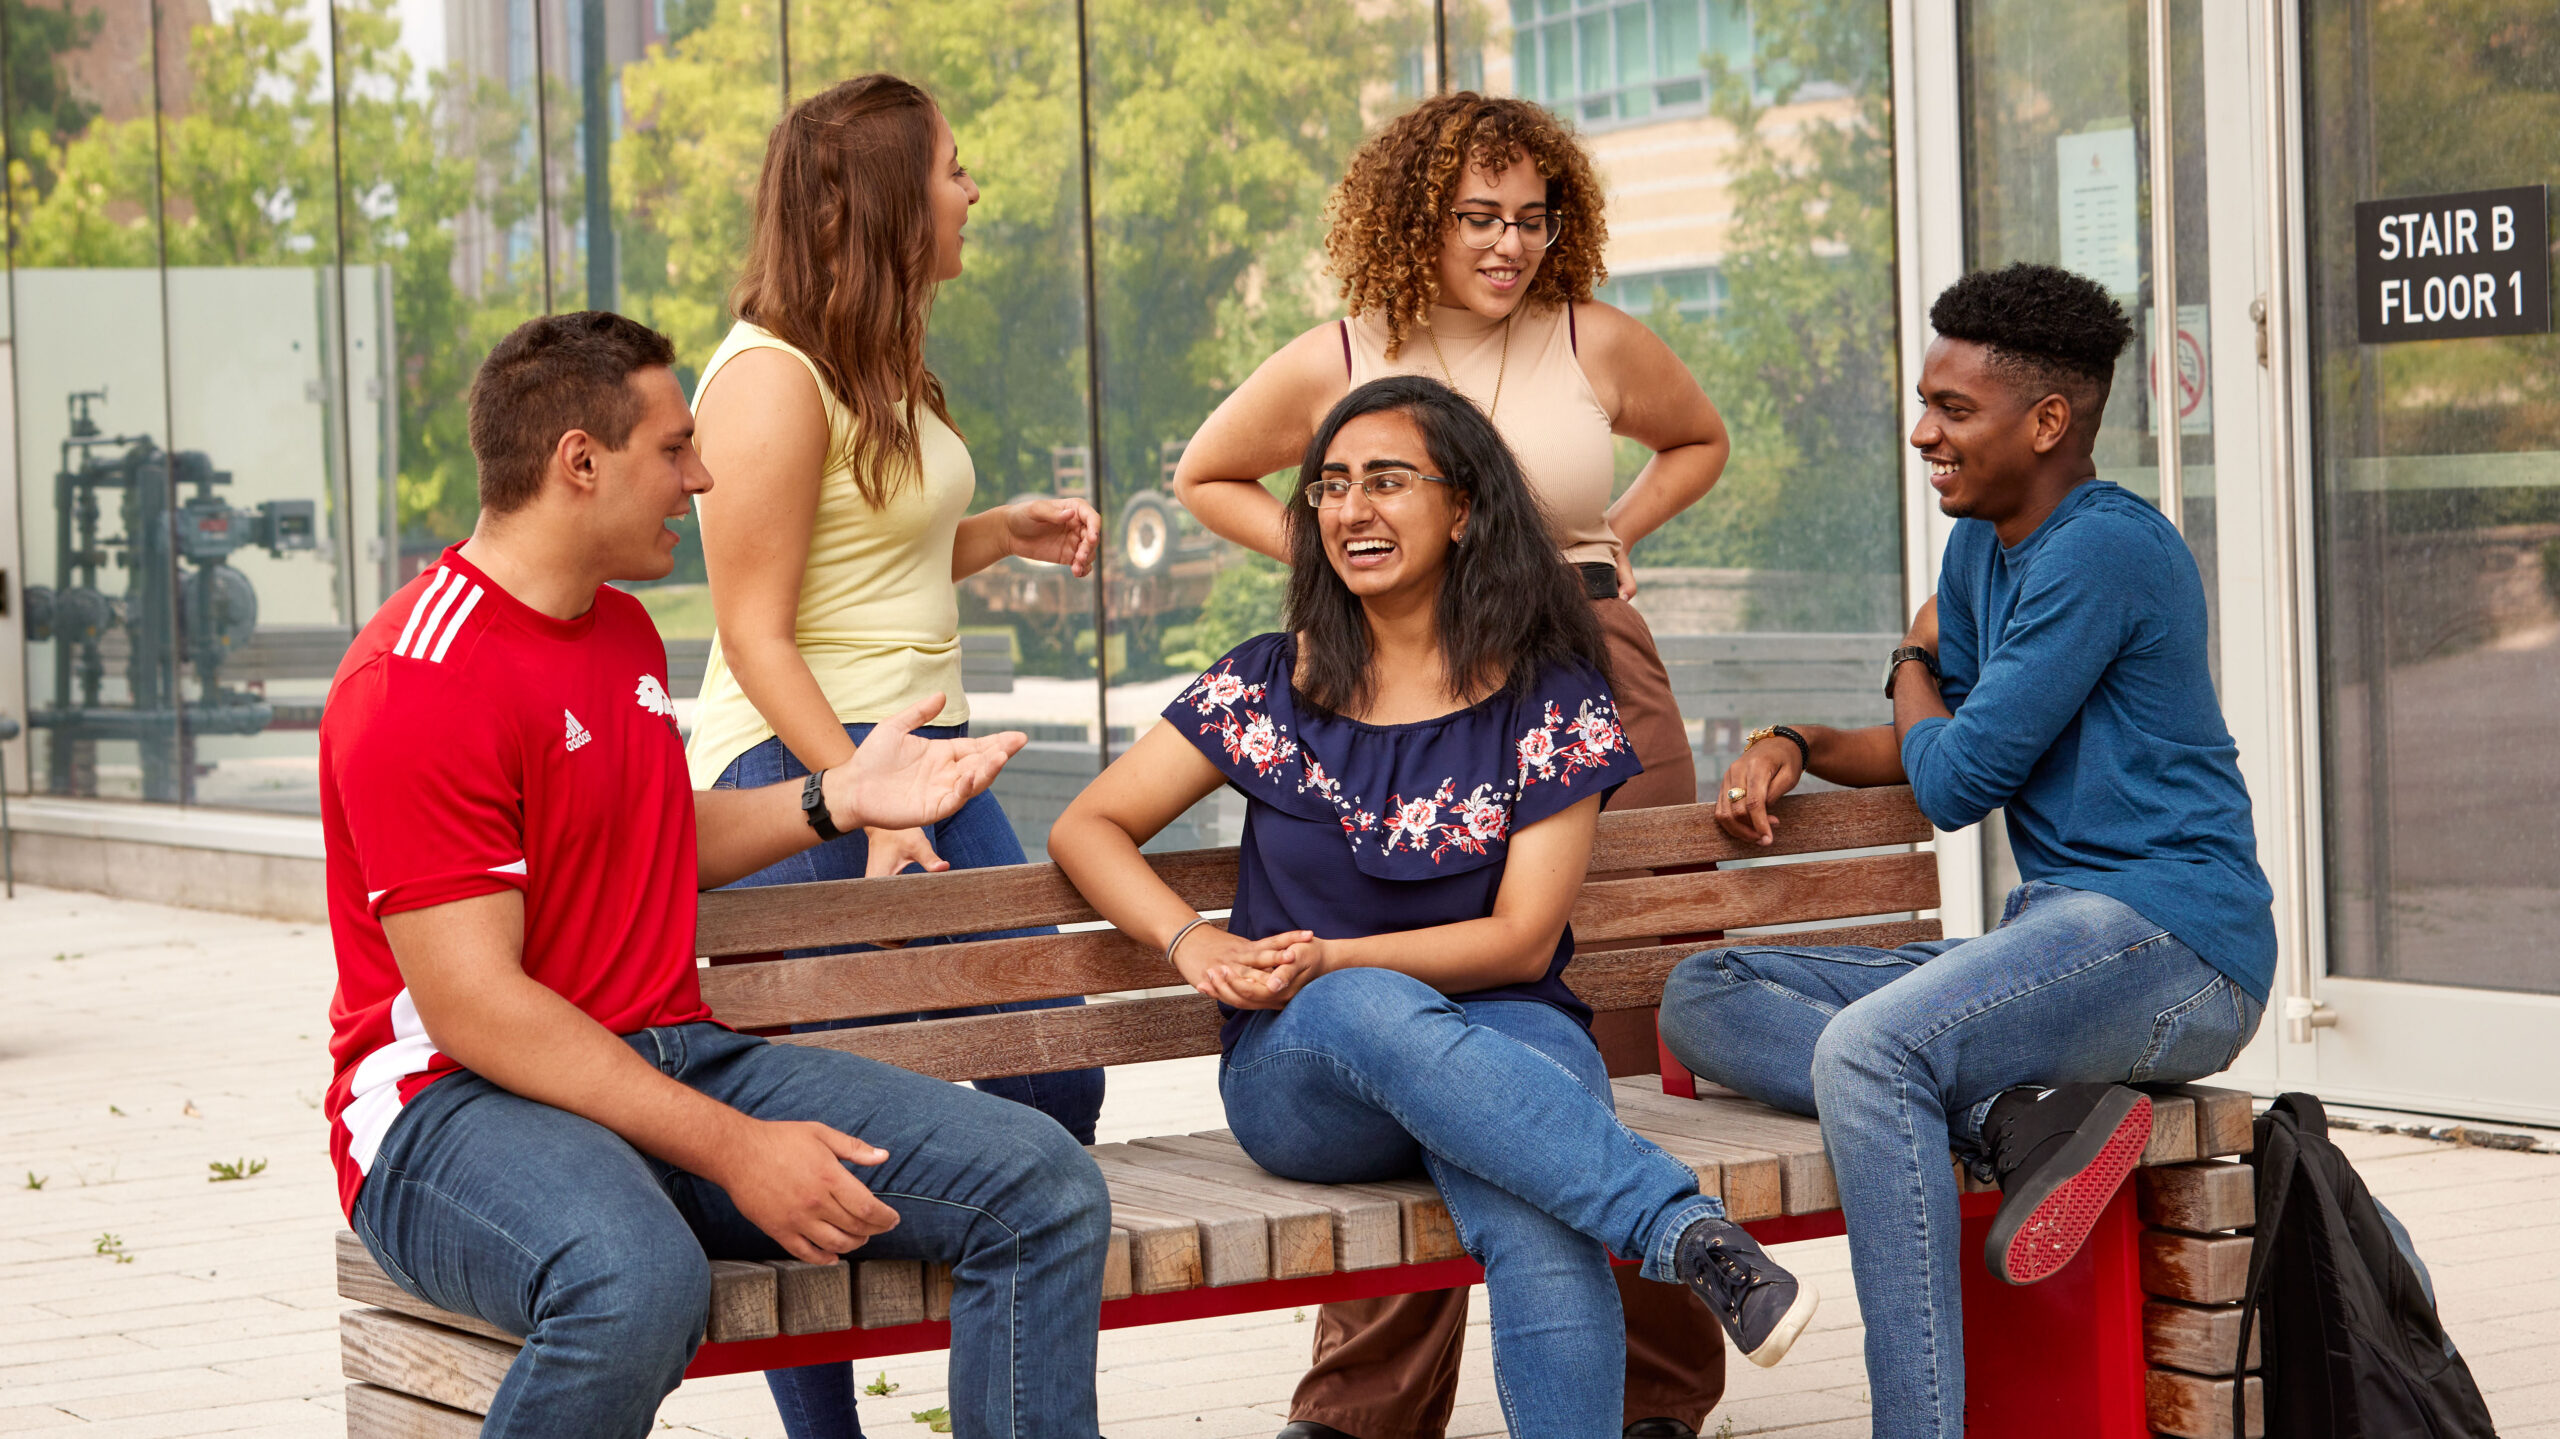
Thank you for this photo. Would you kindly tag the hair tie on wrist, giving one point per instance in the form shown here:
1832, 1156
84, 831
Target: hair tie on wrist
1178, 936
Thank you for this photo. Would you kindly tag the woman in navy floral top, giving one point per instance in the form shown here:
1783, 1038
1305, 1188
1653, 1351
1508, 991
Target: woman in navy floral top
1423, 755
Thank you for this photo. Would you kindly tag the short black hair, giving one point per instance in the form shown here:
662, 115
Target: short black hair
2045, 326
549, 376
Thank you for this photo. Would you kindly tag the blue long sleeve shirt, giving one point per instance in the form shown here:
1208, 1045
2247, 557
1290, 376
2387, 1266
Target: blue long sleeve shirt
2075, 664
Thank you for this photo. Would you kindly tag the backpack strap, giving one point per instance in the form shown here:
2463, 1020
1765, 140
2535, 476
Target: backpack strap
2278, 1149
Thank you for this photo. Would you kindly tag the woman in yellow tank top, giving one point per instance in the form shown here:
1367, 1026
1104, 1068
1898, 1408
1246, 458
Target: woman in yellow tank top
840, 525
1467, 235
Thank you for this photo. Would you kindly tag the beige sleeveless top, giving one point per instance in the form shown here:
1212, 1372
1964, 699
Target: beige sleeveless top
1548, 414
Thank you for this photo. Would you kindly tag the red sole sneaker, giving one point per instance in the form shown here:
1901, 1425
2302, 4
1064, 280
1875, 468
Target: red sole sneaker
2042, 1225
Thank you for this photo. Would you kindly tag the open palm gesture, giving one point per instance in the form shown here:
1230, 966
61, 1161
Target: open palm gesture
899, 781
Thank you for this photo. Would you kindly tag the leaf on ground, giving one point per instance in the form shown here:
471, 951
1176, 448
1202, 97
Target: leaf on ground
937, 1418
880, 1387
191, 1111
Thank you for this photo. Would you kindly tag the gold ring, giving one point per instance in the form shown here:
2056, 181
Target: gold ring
1734, 793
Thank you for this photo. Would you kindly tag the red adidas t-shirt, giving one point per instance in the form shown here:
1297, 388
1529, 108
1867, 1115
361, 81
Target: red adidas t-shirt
472, 744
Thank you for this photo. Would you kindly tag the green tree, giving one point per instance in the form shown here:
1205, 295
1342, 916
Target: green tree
1801, 355
39, 97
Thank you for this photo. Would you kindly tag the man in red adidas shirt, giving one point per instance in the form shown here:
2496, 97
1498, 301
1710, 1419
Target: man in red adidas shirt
534, 1117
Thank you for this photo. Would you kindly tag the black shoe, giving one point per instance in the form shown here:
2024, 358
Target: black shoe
2060, 1155
1659, 1428
1310, 1429
1761, 1305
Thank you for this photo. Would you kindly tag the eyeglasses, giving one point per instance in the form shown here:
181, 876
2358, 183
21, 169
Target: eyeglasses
1481, 231
1378, 485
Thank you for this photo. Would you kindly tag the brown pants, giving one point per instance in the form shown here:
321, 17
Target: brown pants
1388, 1368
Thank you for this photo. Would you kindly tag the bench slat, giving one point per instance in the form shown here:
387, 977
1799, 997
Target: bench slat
1299, 1233
1235, 1240
1769, 894
363, 1281
376, 1346
812, 916
1364, 1227
1038, 1041
2197, 1338
1424, 1232
812, 1298
1182, 1026
378, 1413
1164, 1249
763, 994
1792, 1146
888, 1293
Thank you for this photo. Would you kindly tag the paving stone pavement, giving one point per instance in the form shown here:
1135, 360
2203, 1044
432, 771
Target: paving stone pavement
139, 1296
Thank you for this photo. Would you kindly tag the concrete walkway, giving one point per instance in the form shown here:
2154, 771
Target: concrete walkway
140, 1045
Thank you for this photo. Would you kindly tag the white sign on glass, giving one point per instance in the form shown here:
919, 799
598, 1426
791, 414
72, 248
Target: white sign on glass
2195, 393
2099, 191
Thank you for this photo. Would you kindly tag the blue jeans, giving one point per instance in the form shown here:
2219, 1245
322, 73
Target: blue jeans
1901, 1052
551, 1226
817, 1401
1369, 1074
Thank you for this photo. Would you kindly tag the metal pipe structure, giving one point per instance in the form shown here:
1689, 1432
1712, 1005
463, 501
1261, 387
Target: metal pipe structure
2303, 1012
2164, 271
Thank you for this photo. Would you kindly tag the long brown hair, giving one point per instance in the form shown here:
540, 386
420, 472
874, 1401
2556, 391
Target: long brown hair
841, 265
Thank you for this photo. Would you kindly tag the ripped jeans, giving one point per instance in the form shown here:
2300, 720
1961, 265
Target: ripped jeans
1901, 1051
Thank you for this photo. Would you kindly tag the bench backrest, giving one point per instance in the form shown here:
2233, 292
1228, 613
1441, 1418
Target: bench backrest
742, 933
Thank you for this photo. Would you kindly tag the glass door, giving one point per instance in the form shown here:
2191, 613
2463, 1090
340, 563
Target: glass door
2432, 477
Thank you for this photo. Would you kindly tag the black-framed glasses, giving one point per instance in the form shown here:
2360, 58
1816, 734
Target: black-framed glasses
1378, 485
1482, 231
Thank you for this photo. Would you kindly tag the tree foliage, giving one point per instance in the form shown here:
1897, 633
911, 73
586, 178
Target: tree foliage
1801, 356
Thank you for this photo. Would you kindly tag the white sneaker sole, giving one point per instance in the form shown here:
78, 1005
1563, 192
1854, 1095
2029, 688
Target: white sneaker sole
1783, 1338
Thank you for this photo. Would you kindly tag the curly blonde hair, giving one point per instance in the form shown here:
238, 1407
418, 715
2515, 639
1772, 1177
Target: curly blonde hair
1386, 223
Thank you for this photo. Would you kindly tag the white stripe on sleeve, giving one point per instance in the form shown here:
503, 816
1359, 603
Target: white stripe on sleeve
425, 597
469, 603
435, 617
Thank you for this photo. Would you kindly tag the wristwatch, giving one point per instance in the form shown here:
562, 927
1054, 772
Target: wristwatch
1909, 652
813, 806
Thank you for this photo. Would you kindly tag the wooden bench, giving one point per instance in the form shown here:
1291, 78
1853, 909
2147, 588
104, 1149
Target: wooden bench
1199, 1230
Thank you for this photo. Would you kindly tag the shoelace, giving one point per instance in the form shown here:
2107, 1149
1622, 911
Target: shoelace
1741, 1280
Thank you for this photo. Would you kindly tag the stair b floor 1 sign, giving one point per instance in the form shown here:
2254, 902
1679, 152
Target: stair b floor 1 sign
2445, 267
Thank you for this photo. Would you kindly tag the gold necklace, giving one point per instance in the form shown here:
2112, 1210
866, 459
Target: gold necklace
1501, 367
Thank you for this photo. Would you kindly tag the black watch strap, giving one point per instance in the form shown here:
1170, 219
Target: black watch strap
813, 806
1893, 666
1804, 751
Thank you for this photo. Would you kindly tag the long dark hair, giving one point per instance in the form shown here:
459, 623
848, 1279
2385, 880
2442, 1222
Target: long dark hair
1509, 609
840, 264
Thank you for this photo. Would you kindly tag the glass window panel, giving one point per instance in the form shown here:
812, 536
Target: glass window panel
1556, 55
1592, 41
1210, 259
684, 97
2057, 145
102, 655
1007, 337
1635, 43
1679, 51
1766, 261
256, 390
2437, 467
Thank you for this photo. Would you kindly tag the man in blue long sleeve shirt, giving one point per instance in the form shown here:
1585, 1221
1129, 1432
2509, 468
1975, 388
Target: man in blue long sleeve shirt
2060, 673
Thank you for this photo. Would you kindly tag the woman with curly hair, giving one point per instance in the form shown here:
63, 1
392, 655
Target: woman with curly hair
1467, 236
1423, 750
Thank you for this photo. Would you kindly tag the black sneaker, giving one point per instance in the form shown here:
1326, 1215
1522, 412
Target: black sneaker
1761, 1305
2060, 1155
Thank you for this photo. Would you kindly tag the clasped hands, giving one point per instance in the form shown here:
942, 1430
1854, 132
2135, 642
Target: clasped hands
1261, 973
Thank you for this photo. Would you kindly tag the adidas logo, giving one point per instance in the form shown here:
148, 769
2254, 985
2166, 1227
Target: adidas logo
578, 734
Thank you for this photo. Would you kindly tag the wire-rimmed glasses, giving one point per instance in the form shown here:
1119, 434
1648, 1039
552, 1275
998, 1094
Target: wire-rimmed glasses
1381, 486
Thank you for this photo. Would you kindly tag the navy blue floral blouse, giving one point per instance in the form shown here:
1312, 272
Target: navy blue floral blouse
1355, 829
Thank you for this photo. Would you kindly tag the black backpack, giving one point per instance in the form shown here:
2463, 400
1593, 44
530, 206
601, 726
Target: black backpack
2352, 1348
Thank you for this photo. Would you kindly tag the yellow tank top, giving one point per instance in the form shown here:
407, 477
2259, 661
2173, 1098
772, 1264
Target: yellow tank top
879, 620
1549, 414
